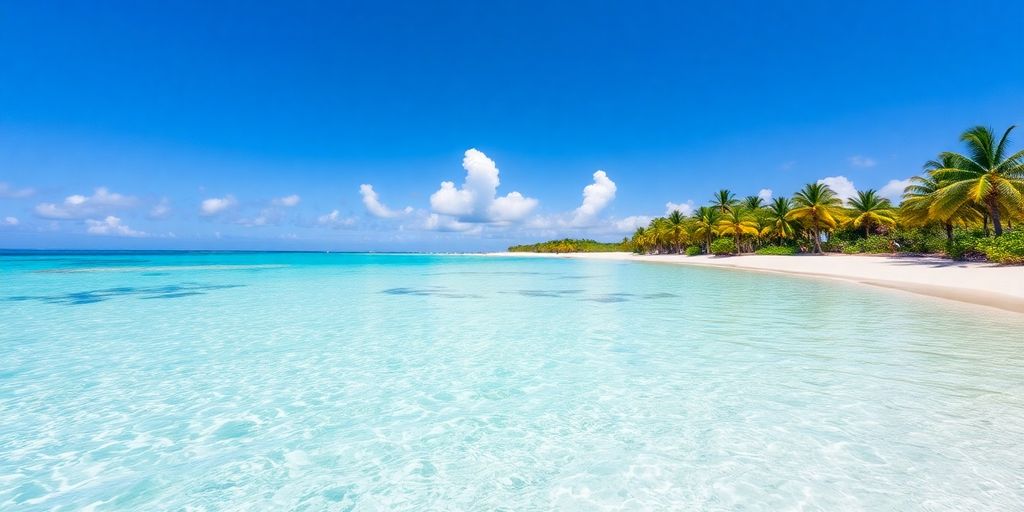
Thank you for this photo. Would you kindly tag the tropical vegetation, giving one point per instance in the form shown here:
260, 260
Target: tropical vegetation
965, 205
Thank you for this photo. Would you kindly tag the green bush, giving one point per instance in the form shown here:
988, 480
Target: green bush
965, 245
1007, 249
777, 250
874, 244
831, 245
851, 249
723, 246
693, 250
919, 240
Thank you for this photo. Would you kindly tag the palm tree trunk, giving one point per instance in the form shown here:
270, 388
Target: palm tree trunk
984, 222
817, 240
993, 210
949, 231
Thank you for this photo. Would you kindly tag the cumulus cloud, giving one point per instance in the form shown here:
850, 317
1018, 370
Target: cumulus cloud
629, 224
596, 197
684, 208
512, 207
78, 206
215, 205
10, 221
110, 226
841, 185
435, 222
376, 208
861, 161
6, 190
286, 201
894, 190
765, 194
475, 200
335, 220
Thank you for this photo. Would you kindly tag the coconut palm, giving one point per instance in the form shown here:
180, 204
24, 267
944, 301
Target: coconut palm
724, 200
738, 222
705, 225
986, 176
753, 202
778, 225
677, 224
818, 209
919, 195
869, 210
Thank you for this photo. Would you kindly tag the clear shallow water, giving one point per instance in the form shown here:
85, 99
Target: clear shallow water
358, 382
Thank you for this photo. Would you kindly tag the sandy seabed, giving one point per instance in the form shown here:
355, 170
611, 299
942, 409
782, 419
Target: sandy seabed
977, 283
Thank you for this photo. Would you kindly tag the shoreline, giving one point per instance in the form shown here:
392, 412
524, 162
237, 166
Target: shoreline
983, 284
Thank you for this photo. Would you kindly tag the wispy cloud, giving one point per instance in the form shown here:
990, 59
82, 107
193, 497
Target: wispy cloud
78, 206
862, 161
111, 226
8, 191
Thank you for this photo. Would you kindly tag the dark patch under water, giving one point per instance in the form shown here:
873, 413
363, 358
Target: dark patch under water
171, 291
431, 291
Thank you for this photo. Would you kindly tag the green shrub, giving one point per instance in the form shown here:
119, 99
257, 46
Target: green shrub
851, 249
965, 245
723, 246
1007, 249
875, 244
918, 240
831, 245
777, 250
693, 250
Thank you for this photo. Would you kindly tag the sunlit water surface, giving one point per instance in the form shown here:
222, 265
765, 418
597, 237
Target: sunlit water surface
400, 382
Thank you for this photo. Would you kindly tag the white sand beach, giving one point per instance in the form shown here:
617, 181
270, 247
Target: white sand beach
977, 283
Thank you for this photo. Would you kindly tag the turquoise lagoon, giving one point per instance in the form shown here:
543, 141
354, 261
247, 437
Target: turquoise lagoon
298, 381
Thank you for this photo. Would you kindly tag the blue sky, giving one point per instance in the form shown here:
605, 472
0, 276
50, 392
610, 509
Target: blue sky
227, 125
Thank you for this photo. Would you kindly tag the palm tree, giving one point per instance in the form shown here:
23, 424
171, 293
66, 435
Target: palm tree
985, 176
919, 195
817, 208
639, 240
780, 227
705, 226
871, 211
724, 200
738, 222
753, 202
677, 223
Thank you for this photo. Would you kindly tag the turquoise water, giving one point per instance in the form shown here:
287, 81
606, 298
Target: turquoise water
401, 382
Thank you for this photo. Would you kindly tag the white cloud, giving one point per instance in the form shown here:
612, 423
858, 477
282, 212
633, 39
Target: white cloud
335, 220
511, 208
841, 185
684, 208
10, 221
6, 190
894, 190
629, 224
475, 201
160, 210
110, 226
376, 208
596, 197
215, 205
765, 194
435, 222
78, 206
286, 201
862, 161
